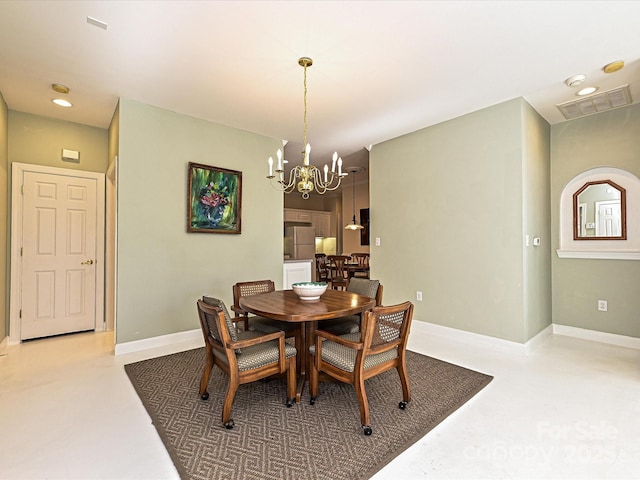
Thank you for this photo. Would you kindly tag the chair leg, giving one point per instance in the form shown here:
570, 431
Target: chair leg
363, 404
404, 381
204, 380
291, 381
232, 388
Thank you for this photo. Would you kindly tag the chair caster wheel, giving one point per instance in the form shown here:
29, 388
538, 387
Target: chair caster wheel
229, 425
289, 402
402, 405
205, 396
367, 430
312, 401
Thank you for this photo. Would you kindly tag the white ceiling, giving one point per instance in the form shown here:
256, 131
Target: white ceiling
381, 69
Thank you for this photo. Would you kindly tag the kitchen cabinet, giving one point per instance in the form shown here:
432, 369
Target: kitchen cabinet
321, 221
295, 215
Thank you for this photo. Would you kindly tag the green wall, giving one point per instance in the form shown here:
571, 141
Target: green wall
162, 269
40, 140
4, 219
610, 139
447, 204
451, 203
536, 135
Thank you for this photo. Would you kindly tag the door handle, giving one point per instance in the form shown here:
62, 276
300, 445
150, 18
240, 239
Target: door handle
88, 262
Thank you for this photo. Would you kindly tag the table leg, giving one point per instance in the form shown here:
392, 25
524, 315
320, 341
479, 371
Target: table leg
307, 329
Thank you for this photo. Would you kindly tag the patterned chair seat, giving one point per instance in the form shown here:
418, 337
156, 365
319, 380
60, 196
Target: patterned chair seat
344, 358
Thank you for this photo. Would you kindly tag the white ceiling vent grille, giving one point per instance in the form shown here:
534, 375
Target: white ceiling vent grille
601, 102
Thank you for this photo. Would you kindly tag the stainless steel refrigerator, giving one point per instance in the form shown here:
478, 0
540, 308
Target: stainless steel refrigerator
300, 243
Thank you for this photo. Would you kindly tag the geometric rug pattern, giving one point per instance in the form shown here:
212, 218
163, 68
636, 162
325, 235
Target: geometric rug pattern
271, 441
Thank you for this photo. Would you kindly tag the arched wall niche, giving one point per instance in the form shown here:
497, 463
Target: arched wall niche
628, 249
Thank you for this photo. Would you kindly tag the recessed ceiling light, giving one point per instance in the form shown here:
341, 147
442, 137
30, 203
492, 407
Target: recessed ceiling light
613, 66
575, 80
62, 102
586, 91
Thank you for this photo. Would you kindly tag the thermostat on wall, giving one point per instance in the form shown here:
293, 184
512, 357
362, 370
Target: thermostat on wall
70, 155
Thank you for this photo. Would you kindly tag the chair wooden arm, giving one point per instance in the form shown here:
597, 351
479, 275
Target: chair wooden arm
255, 340
337, 339
238, 311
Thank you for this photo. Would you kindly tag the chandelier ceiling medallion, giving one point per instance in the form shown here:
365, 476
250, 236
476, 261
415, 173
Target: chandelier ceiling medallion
306, 178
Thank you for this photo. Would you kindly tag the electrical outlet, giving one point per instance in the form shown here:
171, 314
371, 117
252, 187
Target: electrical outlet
377, 241
419, 296
602, 305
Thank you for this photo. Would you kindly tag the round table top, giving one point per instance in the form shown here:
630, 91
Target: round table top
286, 305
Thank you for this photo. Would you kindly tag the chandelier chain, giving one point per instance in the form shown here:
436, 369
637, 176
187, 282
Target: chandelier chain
304, 134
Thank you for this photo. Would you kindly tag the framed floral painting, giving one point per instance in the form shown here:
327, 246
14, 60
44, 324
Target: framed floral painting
215, 199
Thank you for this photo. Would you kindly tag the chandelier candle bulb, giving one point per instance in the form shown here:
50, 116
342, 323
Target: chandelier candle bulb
307, 151
326, 173
333, 163
270, 167
279, 169
340, 166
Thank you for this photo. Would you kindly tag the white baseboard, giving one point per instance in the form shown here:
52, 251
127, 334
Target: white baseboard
190, 336
470, 337
195, 338
525, 348
3, 345
593, 335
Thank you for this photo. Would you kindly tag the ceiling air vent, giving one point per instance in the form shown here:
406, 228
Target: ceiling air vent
601, 102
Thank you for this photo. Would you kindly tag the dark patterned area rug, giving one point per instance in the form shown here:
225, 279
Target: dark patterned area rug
271, 441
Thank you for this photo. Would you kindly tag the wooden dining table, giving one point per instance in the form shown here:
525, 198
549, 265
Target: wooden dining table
285, 305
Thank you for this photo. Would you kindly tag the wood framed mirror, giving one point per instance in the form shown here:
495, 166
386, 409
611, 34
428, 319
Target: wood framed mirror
599, 211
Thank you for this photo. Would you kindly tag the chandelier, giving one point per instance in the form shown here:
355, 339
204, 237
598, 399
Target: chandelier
306, 178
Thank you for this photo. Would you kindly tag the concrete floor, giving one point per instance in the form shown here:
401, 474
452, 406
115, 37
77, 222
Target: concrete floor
568, 410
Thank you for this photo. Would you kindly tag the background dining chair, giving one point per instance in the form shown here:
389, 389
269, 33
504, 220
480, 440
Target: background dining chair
244, 357
355, 357
339, 275
322, 272
242, 289
362, 259
262, 324
351, 323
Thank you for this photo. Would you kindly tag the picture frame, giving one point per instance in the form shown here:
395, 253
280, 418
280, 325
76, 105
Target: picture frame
364, 221
214, 199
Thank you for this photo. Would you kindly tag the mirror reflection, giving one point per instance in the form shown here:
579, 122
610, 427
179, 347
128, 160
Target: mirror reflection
599, 212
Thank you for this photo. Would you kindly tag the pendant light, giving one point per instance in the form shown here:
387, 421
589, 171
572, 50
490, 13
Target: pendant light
354, 225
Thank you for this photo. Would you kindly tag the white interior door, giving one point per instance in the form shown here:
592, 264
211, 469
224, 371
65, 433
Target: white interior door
609, 222
59, 253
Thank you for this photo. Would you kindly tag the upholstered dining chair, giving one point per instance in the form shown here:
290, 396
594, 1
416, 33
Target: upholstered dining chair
362, 259
322, 272
353, 358
339, 274
262, 324
244, 357
242, 289
351, 323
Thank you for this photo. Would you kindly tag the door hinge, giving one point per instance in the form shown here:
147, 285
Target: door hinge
20, 314
21, 248
22, 189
